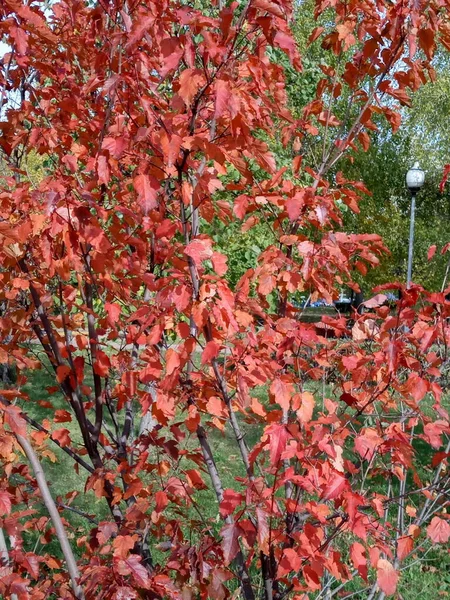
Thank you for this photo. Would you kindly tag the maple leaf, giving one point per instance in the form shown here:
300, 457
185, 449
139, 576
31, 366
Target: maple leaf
282, 393
230, 541
147, 191
13, 417
190, 82
113, 311
62, 436
262, 530
31, 563
305, 412
172, 361
5, 502
431, 251
133, 566
199, 250
230, 501
278, 437
387, 577
335, 486
122, 544
438, 530
210, 351
405, 546
358, 556
62, 372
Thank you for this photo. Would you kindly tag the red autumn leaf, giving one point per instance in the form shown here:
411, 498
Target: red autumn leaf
190, 83
387, 577
230, 501
262, 530
62, 436
335, 486
278, 437
431, 251
172, 361
219, 262
367, 442
113, 311
195, 479
13, 417
62, 416
290, 561
230, 541
147, 192
199, 250
438, 530
102, 364
445, 175
122, 545
161, 501
210, 351
132, 565
282, 392
405, 546
359, 560
376, 301
5, 503
30, 563
62, 373
305, 412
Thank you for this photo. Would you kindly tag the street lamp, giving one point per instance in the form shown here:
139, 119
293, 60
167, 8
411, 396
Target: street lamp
415, 179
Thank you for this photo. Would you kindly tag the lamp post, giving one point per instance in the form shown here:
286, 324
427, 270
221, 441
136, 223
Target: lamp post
415, 178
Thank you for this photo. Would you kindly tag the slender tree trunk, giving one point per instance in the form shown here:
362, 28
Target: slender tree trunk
54, 515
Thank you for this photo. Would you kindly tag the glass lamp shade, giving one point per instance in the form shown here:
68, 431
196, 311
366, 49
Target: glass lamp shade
415, 178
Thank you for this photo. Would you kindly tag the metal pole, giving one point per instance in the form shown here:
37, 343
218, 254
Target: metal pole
411, 238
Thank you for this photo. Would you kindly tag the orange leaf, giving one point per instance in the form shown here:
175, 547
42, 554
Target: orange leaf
387, 577
438, 531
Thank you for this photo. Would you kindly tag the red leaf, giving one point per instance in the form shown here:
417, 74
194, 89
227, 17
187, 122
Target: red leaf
358, 556
5, 503
13, 417
62, 436
305, 412
230, 541
31, 563
113, 311
199, 250
147, 193
122, 544
161, 501
62, 372
172, 361
376, 301
62, 416
444, 178
134, 567
438, 530
431, 251
230, 501
387, 577
190, 82
282, 393
210, 351
335, 486
263, 530
102, 364
219, 262
278, 436
404, 546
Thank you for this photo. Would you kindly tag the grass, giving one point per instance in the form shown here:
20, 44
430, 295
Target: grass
427, 579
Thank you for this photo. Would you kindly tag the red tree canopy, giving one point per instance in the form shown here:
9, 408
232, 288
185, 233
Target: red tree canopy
154, 121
